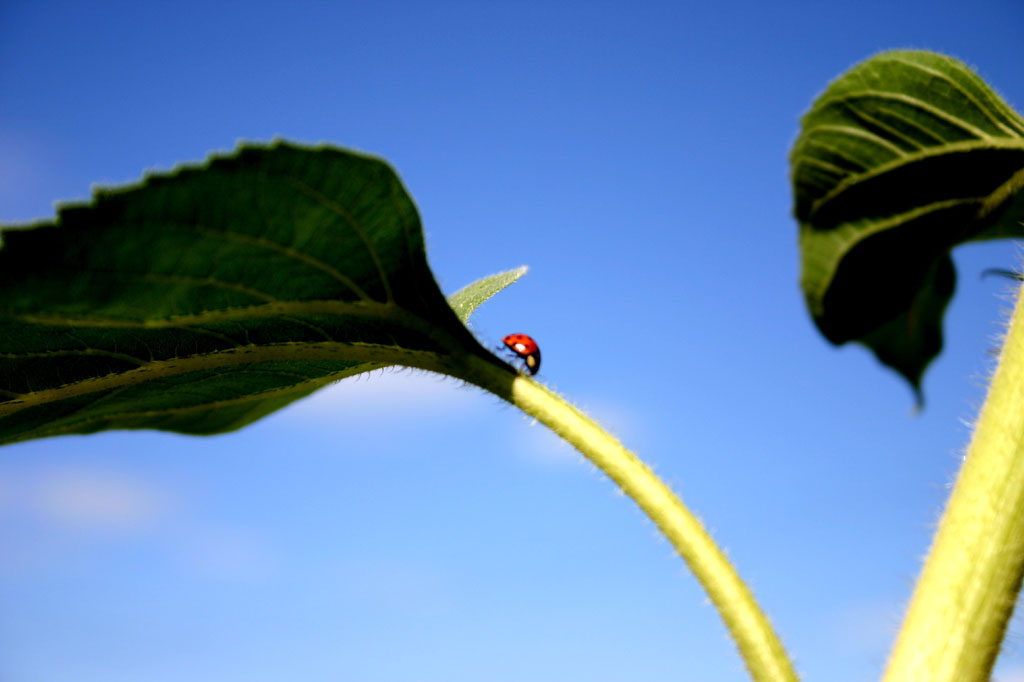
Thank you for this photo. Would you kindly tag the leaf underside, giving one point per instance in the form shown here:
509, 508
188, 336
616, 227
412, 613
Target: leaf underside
904, 156
202, 300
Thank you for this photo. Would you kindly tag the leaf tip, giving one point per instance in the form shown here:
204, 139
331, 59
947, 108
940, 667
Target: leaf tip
918, 399
467, 299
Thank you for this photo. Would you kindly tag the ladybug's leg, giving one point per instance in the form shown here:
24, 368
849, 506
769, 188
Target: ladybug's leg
511, 358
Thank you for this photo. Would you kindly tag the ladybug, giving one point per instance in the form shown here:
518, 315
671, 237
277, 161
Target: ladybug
526, 348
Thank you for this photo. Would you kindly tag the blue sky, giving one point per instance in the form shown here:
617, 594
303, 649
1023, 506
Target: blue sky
400, 527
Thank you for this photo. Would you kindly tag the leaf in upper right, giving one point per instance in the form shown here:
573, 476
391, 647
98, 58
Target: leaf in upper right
904, 156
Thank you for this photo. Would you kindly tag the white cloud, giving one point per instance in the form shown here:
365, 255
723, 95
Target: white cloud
51, 517
80, 499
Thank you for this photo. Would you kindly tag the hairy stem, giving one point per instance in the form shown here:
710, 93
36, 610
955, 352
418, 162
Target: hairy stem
758, 644
969, 584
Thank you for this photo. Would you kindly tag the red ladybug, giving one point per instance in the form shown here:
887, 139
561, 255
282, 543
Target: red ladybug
526, 348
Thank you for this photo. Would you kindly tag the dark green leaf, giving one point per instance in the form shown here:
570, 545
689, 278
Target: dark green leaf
904, 156
202, 300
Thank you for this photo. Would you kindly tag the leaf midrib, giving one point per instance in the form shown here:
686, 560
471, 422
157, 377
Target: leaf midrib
290, 351
239, 354
74, 425
385, 311
932, 152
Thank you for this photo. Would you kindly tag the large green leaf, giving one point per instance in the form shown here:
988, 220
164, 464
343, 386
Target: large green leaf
202, 300
904, 156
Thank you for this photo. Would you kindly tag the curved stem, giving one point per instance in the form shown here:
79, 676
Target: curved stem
759, 646
972, 576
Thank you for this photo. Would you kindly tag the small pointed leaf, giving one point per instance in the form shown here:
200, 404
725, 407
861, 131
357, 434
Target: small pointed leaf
904, 156
468, 298
204, 299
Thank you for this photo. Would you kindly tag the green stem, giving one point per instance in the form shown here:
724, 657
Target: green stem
758, 644
969, 584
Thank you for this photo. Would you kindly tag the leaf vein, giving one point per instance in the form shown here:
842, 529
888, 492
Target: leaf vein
923, 106
189, 321
270, 245
210, 281
340, 210
868, 119
967, 95
356, 353
75, 351
170, 413
855, 132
